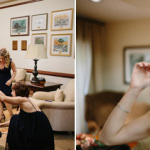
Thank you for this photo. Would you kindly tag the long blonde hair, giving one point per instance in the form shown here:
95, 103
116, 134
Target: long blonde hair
5, 53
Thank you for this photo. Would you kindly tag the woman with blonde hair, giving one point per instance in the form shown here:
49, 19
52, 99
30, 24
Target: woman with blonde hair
6, 64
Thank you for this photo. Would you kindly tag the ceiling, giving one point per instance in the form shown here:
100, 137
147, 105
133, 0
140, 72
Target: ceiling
114, 10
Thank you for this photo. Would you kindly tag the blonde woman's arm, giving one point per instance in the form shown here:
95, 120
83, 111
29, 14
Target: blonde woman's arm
115, 130
13, 67
5, 124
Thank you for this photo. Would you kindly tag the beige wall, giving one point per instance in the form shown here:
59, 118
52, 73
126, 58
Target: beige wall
61, 64
98, 58
119, 35
53, 63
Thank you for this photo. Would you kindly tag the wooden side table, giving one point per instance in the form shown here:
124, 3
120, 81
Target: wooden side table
48, 86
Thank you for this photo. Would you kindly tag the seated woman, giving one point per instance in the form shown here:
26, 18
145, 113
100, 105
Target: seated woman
30, 129
115, 131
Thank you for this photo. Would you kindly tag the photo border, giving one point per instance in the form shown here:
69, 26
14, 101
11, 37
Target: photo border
60, 28
46, 22
60, 54
20, 34
36, 34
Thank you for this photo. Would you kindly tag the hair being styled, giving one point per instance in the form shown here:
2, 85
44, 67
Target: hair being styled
5, 53
21, 89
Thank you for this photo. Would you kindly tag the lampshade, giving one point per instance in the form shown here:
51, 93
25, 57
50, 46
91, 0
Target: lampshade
36, 51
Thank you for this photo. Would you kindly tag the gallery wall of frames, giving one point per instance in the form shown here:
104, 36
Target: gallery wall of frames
61, 44
45, 22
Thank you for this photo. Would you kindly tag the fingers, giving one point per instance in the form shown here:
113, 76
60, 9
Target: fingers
8, 83
144, 65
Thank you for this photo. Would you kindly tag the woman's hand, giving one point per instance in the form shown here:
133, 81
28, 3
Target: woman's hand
2, 96
140, 76
8, 83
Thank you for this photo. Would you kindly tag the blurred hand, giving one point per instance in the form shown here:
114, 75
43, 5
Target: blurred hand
8, 83
141, 75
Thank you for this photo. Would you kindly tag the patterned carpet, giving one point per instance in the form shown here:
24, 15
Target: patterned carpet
63, 140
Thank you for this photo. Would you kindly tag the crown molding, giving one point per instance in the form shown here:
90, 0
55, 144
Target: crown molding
16, 3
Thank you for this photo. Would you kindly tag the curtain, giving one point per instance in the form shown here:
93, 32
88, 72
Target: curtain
88, 64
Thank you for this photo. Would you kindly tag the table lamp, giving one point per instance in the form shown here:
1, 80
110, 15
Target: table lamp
36, 52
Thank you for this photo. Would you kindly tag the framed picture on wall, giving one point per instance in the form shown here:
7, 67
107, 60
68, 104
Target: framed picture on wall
19, 26
61, 44
39, 22
133, 55
14, 45
40, 38
24, 45
62, 19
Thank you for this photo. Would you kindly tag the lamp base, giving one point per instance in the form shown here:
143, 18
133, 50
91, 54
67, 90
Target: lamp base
35, 80
41, 80
35, 73
38, 81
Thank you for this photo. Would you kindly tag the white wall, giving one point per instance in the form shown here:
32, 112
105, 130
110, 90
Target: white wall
62, 64
120, 35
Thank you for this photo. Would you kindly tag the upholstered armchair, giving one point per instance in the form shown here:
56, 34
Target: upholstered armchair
58, 106
21, 75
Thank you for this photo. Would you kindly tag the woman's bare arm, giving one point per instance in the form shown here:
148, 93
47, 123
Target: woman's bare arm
12, 100
115, 131
5, 124
13, 67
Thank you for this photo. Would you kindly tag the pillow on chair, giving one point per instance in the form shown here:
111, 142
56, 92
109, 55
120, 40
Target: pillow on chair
69, 92
41, 95
59, 96
20, 76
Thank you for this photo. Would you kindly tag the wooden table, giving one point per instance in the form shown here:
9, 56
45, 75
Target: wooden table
48, 86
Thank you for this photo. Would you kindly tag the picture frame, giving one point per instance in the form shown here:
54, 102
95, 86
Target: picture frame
24, 45
61, 44
39, 22
62, 19
19, 26
133, 55
14, 45
40, 38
